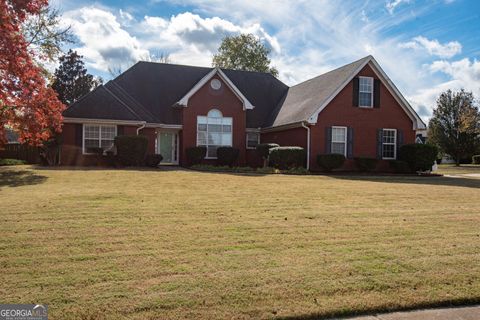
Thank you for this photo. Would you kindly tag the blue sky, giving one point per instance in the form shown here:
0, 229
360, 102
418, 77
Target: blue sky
424, 46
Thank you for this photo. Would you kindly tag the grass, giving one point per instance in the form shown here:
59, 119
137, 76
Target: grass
451, 169
152, 244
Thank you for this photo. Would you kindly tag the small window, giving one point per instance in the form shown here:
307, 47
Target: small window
339, 140
214, 131
389, 143
365, 92
253, 139
98, 136
215, 84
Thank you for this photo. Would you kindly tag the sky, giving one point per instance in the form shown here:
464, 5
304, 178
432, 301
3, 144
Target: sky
425, 47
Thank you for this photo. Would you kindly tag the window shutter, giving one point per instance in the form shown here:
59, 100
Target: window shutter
376, 93
79, 135
328, 140
379, 143
399, 140
119, 130
350, 142
356, 84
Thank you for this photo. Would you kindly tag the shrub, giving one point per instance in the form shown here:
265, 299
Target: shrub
208, 167
131, 150
366, 164
297, 171
420, 157
328, 162
153, 160
476, 159
266, 170
195, 155
399, 166
263, 151
287, 157
11, 162
226, 156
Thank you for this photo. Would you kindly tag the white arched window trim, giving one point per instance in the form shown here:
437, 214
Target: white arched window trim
213, 131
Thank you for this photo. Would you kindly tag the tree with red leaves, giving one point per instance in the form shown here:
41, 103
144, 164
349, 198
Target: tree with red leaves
27, 105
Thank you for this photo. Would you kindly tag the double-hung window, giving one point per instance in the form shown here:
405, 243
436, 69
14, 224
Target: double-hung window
339, 140
253, 139
389, 142
365, 92
98, 136
214, 131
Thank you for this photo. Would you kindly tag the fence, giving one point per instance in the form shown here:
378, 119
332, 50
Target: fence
20, 152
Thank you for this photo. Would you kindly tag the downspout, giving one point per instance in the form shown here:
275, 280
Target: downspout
308, 144
141, 127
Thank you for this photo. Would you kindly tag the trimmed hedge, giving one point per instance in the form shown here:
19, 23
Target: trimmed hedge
153, 160
420, 157
366, 164
399, 166
263, 151
227, 156
195, 155
328, 162
476, 159
131, 150
287, 157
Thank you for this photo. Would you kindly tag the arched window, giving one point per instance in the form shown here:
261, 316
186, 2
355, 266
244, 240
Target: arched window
213, 131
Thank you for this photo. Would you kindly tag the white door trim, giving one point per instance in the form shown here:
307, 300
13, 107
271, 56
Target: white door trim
175, 148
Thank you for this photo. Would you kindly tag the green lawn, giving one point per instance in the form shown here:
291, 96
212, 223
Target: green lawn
139, 244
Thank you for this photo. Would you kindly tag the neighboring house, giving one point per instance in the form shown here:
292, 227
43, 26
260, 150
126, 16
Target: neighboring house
354, 110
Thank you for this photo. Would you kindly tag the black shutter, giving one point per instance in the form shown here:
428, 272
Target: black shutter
399, 140
350, 143
79, 134
356, 84
376, 93
328, 140
379, 143
119, 130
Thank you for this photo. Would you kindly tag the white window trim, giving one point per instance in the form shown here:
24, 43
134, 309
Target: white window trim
346, 139
206, 145
246, 138
390, 143
99, 134
371, 94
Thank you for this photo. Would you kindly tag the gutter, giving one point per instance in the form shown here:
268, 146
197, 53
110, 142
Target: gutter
141, 127
308, 144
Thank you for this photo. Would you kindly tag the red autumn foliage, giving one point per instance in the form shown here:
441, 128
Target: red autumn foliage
26, 103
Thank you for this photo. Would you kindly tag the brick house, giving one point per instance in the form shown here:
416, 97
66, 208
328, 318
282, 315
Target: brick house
354, 110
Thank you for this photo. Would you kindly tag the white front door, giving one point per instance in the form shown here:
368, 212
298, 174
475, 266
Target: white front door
168, 147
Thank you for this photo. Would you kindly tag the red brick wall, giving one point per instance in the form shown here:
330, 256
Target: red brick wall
289, 137
71, 153
203, 101
364, 121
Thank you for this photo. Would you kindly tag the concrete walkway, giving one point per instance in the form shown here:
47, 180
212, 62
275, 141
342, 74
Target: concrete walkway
463, 313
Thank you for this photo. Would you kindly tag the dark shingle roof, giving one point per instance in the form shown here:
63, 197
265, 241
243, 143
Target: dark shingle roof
149, 90
303, 99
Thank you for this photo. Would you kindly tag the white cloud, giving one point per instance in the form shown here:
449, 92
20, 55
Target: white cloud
462, 74
103, 40
391, 5
433, 47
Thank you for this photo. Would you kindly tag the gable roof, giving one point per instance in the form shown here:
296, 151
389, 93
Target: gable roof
216, 71
148, 92
304, 101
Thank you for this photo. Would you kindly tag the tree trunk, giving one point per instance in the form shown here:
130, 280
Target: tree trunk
457, 160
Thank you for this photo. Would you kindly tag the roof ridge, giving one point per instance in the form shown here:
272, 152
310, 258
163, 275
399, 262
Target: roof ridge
123, 103
336, 69
135, 101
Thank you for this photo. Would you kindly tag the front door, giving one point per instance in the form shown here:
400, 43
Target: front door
168, 147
